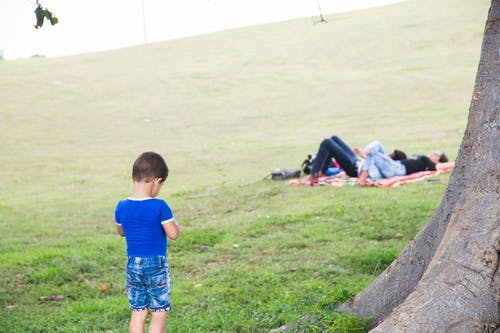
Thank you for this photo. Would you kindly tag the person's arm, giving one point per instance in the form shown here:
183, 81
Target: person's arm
362, 178
447, 165
171, 229
119, 228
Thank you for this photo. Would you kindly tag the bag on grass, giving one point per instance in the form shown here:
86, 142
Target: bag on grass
282, 174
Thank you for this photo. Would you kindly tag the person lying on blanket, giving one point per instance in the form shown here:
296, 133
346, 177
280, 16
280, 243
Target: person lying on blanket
375, 158
335, 147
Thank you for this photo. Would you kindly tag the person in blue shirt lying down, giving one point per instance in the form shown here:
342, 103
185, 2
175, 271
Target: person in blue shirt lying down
375, 158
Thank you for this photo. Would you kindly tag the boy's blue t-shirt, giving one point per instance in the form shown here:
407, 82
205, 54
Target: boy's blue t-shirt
141, 220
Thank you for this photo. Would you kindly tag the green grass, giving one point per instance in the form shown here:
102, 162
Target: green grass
226, 109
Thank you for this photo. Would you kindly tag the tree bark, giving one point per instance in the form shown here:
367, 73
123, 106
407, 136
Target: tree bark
448, 278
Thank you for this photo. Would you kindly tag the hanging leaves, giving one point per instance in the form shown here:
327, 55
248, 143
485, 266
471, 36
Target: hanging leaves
42, 14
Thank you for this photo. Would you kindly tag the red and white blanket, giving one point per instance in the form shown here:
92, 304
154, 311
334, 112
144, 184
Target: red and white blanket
343, 180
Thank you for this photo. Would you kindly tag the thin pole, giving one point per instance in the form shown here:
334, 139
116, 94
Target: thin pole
322, 19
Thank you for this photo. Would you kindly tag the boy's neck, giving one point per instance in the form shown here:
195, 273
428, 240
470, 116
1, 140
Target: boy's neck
142, 190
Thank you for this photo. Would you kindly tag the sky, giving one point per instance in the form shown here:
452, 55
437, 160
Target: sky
97, 25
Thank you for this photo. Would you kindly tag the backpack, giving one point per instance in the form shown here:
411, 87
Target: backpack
307, 164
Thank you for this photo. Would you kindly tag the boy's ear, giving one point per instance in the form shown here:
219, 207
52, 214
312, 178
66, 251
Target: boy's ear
158, 180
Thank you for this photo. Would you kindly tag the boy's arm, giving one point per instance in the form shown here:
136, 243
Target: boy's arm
120, 230
171, 229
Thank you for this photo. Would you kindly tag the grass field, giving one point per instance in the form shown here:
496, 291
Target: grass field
225, 109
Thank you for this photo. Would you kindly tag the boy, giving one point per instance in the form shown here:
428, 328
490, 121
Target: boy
146, 222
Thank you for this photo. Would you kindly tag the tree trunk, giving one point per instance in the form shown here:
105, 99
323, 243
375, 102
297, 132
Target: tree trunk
447, 279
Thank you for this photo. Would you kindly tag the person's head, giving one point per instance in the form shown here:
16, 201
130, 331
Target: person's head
397, 155
438, 157
150, 167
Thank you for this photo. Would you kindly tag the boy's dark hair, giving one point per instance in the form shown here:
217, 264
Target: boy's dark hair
397, 155
149, 165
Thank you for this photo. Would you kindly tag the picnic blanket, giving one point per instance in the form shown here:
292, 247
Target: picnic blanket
343, 180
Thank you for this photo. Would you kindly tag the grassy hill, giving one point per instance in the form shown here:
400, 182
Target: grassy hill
226, 109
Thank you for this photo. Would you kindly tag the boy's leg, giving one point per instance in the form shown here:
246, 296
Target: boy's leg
158, 322
158, 286
136, 295
137, 320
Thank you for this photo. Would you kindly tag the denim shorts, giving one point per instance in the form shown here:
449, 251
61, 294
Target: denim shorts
148, 283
